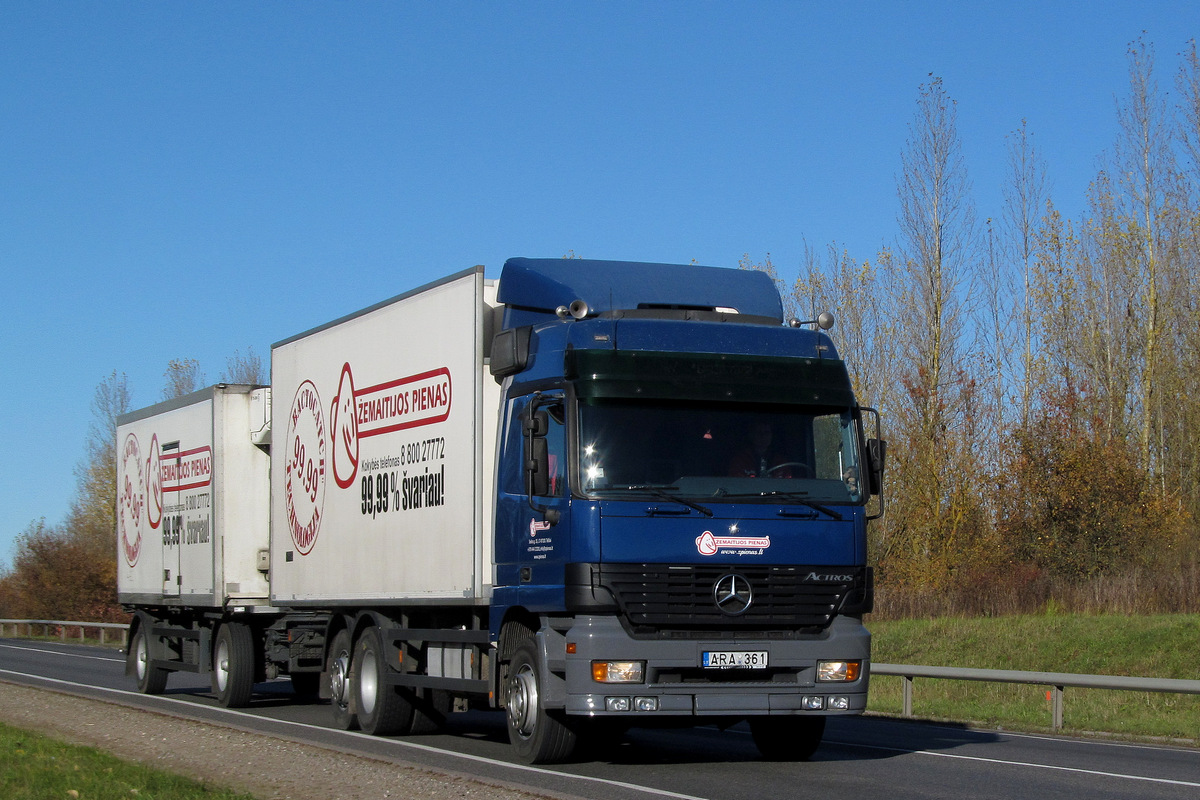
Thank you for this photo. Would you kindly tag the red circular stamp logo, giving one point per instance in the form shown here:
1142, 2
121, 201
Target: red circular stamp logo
304, 467
345, 431
132, 500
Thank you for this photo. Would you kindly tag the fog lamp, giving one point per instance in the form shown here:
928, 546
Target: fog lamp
645, 703
616, 704
812, 702
618, 671
840, 671
839, 703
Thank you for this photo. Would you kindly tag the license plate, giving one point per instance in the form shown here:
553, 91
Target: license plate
734, 659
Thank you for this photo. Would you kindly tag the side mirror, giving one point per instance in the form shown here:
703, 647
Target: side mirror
876, 457
537, 459
510, 352
536, 423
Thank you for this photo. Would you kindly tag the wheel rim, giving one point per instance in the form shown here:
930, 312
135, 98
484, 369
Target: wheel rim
221, 665
368, 682
142, 656
339, 680
523, 701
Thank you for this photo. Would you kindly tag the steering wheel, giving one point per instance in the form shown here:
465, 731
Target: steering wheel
805, 468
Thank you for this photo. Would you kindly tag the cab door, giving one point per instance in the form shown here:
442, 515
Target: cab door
533, 497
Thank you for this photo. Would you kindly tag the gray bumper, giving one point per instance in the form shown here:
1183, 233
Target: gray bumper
680, 686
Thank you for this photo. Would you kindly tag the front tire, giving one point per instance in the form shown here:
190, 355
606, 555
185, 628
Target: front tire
538, 736
233, 665
790, 738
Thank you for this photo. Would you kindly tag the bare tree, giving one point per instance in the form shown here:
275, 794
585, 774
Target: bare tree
1145, 163
937, 245
92, 514
183, 377
246, 368
1025, 196
937, 508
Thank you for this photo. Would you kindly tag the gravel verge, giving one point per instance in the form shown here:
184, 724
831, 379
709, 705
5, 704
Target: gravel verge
263, 766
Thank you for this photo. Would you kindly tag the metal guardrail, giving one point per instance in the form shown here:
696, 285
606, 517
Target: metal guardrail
63, 625
1056, 681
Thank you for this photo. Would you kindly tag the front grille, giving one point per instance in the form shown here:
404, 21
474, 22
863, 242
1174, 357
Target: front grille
680, 597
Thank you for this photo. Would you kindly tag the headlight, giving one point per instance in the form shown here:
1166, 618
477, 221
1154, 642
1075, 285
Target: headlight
619, 671
838, 671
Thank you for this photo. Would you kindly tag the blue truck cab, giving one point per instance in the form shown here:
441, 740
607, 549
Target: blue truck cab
683, 480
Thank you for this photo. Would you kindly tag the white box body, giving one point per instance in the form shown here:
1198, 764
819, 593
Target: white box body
193, 503
383, 430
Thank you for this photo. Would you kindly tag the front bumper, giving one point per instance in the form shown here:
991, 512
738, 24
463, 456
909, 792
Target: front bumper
677, 685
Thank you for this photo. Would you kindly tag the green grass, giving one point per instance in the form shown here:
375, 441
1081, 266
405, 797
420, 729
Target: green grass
1166, 646
34, 767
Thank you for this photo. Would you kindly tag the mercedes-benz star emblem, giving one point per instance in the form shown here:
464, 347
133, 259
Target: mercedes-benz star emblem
732, 594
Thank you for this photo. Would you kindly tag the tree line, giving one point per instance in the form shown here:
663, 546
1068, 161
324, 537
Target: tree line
1039, 376
69, 571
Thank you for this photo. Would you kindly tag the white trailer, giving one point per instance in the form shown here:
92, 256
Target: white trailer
250, 531
384, 427
192, 523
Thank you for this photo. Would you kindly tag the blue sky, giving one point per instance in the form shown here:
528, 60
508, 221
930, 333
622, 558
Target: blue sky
184, 180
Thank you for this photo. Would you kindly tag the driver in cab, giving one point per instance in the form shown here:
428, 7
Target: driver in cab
758, 459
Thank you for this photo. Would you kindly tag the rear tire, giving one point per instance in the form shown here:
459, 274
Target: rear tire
538, 736
233, 665
382, 709
790, 738
341, 686
150, 679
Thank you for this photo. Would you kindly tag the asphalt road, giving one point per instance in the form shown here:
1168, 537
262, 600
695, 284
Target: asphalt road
860, 757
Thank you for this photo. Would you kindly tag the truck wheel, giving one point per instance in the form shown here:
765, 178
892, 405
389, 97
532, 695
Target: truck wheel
150, 679
787, 738
382, 709
539, 736
233, 665
339, 681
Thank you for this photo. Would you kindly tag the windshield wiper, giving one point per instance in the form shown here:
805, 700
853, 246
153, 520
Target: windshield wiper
798, 497
665, 493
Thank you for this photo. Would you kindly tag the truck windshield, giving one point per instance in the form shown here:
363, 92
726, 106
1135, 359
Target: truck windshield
714, 452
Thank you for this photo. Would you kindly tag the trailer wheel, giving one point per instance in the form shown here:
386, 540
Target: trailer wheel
233, 665
150, 679
788, 738
539, 736
339, 681
382, 708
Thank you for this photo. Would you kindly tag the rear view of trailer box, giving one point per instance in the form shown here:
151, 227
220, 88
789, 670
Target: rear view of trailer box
383, 437
192, 500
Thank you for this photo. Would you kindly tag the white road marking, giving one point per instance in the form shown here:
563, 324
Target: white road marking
57, 653
1030, 764
375, 739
